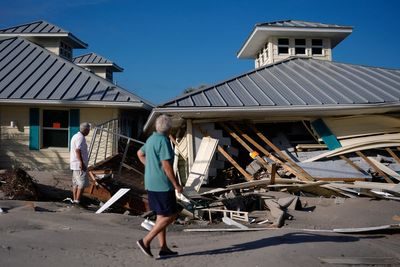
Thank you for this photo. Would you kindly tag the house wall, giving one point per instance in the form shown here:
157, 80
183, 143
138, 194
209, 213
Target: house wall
270, 55
14, 141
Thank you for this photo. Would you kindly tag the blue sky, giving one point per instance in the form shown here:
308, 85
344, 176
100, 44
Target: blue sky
168, 46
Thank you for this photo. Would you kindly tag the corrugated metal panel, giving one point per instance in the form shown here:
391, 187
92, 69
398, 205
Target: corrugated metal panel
30, 72
301, 82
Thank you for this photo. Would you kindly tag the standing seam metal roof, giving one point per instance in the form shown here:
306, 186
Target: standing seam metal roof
93, 59
299, 82
31, 73
301, 24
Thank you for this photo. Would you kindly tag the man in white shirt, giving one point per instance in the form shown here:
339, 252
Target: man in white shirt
78, 161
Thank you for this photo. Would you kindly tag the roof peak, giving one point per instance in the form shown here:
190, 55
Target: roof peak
93, 58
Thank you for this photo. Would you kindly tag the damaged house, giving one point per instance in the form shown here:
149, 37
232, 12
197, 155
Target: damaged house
297, 114
46, 92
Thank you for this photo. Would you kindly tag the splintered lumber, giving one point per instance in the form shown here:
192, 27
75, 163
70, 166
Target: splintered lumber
303, 175
262, 182
246, 175
113, 199
253, 153
381, 173
265, 152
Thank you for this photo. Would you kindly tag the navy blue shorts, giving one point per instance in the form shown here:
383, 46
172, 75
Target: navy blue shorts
163, 203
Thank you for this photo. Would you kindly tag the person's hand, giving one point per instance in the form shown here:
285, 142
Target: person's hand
179, 189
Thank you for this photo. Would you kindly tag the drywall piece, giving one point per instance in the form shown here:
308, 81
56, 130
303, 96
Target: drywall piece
395, 137
385, 169
201, 164
229, 221
113, 199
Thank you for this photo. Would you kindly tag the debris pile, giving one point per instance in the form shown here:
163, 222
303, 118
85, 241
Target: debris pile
18, 185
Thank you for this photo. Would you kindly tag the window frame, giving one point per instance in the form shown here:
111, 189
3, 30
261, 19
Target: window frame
43, 128
303, 46
283, 46
321, 46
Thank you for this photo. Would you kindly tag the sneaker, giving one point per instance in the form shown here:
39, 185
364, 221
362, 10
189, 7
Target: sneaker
167, 253
145, 250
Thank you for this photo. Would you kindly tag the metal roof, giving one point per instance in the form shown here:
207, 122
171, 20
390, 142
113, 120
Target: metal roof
301, 24
93, 59
31, 74
41, 28
300, 82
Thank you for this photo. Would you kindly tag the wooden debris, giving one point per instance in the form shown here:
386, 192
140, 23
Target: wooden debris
113, 199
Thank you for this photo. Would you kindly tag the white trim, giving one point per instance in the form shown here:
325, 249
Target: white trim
80, 103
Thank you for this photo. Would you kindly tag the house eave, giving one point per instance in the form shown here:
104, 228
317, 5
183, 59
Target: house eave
236, 113
82, 103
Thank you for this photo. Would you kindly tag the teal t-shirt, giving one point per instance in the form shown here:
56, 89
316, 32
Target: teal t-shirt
156, 149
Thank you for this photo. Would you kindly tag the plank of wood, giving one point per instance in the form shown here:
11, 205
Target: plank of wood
247, 147
393, 154
201, 164
385, 168
304, 175
265, 152
381, 173
351, 163
246, 175
113, 199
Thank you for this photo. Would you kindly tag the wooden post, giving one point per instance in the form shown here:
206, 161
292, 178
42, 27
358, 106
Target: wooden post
273, 173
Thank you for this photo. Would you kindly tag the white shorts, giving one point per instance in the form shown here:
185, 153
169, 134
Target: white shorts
79, 179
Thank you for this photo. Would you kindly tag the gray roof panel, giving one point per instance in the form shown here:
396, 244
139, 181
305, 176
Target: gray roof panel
300, 82
92, 59
31, 73
301, 24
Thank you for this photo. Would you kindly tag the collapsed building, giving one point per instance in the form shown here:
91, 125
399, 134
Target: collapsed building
310, 116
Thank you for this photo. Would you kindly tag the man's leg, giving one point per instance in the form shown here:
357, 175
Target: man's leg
161, 224
78, 194
74, 192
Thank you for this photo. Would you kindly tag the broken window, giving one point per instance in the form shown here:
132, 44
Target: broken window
55, 128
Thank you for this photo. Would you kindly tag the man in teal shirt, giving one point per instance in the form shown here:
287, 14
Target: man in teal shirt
160, 182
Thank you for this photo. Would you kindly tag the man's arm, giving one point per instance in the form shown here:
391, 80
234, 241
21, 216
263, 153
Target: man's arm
141, 156
79, 156
171, 176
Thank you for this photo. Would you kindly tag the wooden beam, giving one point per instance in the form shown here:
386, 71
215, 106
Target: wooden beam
266, 153
393, 154
351, 163
246, 175
253, 153
381, 173
303, 174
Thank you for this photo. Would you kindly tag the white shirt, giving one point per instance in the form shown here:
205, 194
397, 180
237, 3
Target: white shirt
78, 141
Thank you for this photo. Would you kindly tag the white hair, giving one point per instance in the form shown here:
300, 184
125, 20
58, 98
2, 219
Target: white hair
163, 124
84, 126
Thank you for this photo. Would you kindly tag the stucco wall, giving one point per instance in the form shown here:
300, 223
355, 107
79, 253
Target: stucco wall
14, 141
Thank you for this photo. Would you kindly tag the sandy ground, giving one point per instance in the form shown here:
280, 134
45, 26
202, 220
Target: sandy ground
57, 234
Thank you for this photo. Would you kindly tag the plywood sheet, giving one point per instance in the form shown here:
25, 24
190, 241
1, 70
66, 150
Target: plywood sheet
201, 164
362, 125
